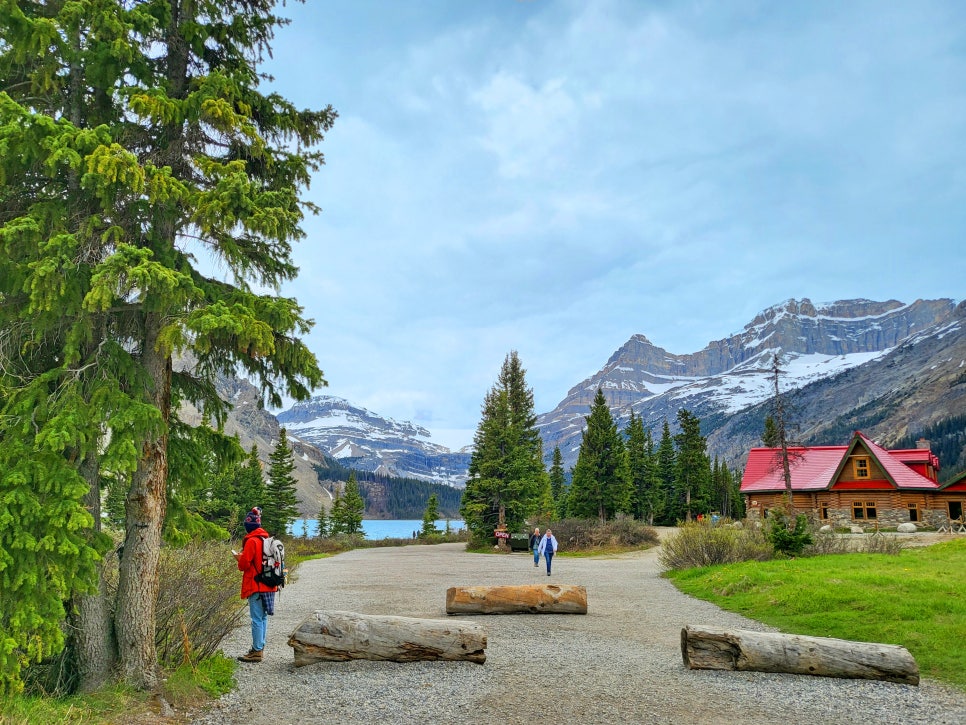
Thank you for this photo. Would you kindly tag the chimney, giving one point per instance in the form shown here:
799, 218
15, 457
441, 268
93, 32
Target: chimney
922, 443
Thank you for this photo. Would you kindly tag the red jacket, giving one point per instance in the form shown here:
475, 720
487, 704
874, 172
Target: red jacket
250, 563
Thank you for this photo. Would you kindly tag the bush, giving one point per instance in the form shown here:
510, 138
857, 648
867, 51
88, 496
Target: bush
198, 602
702, 544
589, 534
789, 541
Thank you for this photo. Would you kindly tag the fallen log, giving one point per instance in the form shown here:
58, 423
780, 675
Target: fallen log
521, 599
341, 636
713, 648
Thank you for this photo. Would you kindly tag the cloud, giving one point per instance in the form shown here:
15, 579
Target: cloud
554, 177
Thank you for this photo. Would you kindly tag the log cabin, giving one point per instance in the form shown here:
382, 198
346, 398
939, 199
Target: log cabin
861, 484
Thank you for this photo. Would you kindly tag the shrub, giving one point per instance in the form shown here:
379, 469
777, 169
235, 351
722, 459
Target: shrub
826, 542
701, 544
198, 602
588, 534
789, 541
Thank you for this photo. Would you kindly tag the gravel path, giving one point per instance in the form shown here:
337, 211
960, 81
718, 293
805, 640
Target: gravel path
619, 663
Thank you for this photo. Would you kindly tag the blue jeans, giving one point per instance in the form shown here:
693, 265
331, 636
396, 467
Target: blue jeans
259, 621
536, 556
549, 554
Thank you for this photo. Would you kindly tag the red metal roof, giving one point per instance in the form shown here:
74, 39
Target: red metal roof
899, 472
916, 455
815, 468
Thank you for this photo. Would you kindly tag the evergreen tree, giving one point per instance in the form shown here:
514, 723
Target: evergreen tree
600, 485
156, 106
325, 524
507, 481
430, 516
693, 474
353, 506
648, 497
234, 492
557, 483
667, 474
337, 515
281, 501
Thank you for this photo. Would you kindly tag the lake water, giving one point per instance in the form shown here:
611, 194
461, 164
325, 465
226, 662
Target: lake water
381, 529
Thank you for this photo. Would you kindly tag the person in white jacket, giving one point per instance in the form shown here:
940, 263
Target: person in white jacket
548, 547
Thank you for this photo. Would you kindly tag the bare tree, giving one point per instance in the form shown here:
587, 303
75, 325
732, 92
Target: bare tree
779, 411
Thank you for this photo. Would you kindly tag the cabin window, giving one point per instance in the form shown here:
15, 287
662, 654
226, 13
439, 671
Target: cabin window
860, 467
955, 509
823, 510
913, 511
863, 510
870, 510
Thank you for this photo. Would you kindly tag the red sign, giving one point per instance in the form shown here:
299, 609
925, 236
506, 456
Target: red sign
502, 534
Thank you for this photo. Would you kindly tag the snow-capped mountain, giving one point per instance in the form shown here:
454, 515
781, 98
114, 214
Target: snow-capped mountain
816, 342
361, 439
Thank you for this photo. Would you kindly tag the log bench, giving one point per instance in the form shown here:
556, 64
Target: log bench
714, 648
519, 599
338, 636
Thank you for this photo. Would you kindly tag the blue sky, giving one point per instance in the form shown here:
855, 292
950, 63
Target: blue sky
554, 176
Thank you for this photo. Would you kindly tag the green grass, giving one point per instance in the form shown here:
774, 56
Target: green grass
191, 685
916, 599
101, 707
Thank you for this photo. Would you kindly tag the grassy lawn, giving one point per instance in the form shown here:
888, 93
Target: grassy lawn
916, 599
188, 686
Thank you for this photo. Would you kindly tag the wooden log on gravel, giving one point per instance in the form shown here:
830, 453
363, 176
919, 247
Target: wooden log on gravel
713, 648
340, 636
522, 599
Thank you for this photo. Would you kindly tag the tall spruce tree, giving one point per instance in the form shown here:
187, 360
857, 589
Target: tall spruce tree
648, 496
337, 522
507, 481
281, 500
143, 137
558, 480
600, 486
693, 470
430, 516
667, 474
353, 506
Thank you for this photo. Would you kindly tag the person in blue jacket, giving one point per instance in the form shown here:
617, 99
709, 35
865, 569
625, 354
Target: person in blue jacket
548, 547
534, 545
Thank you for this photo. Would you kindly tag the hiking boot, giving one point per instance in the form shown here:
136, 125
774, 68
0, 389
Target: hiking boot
253, 655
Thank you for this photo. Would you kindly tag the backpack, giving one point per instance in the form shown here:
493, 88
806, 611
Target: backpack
273, 562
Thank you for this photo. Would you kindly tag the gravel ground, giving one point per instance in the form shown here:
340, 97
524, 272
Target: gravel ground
621, 662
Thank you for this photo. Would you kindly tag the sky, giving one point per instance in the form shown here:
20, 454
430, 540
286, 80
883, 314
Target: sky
555, 176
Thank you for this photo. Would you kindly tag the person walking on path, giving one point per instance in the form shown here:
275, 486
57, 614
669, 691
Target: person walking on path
261, 597
548, 547
534, 545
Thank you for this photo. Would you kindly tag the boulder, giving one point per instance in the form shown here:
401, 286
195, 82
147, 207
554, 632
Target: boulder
907, 528
858, 530
827, 529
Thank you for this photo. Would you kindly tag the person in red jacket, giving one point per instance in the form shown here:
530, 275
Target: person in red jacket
261, 598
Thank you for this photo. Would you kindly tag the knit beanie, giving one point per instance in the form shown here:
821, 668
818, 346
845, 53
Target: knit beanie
253, 520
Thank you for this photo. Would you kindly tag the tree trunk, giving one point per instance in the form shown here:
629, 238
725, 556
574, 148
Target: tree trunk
713, 648
144, 516
521, 599
341, 636
93, 630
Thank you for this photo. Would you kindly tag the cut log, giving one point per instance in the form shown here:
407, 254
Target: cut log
340, 636
521, 599
713, 648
